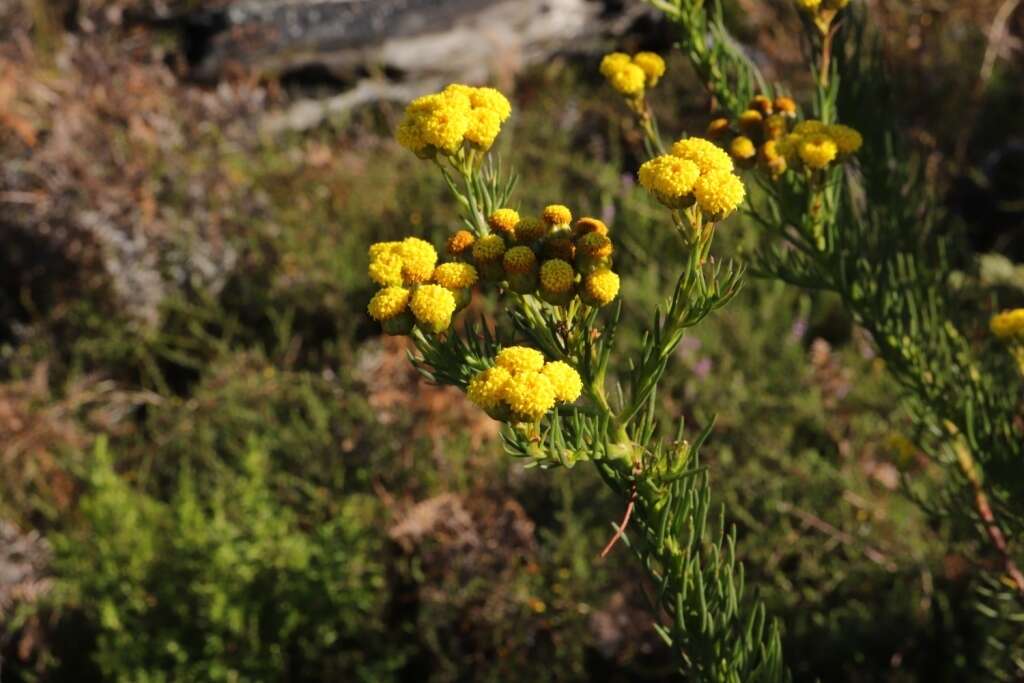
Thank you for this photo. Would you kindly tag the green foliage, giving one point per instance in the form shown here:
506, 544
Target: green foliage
227, 586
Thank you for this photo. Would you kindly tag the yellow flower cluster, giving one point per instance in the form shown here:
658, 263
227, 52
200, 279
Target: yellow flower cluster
522, 387
821, 12
459, 115
1008, 325
630, 76
414, 289
761, 136
698, 171
547, 256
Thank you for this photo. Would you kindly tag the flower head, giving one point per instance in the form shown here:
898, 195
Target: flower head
386, 268
808, 127
704, 153
1008, 324
518, 359
601, 287
484, 126
750, 121
557, 276
388, 303
670, 177
491, 100
785, 105
614, 62
529, 394
489, 249
455, 275
629, 80
564, 380
742, 148
847, 139
418, 260
503, 221
761, 104
520, 260
595, 245
587, 225
717, 128
652, 65
487, 388
556, 214
719, 193
530, 229
460, 243
433, 306
817, 150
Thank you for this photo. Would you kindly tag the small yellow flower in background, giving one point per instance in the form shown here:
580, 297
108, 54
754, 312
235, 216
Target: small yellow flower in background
1008, 325
455, 275
669, 177
718, 128
704, 153
808, 127
751, 121
489, 249
530, 230
557, 276
719, 193
808, 5
520, 260
503, 221
742, 148
388, 303
529, 394
418, 260
614, 62
847, 139
433, 306
518, 359
652, 65
629, 80
487, 389
771, 159
601, 287
564, 380
775, 127
556, 214
762, 104
785, 106
460, 243
817, 150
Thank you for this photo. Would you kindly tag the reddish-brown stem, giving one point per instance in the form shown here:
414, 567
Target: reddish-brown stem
622, 525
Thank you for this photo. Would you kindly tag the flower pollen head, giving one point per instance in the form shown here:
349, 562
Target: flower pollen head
594, 245
517, 359
761, 104
484, 126
503, 222
519, 260
601, 287
433, 306
455, 275
613, 62
460, 243
847, 140
771, 159
388, 303
785, 106
629, 80
489, 249
652, 65
559, 246
491, 100
705, 154
556, 214
564, 380
774, 127
670, 178
751, 121
530, 230
719, 193
386, 269
487, 388
718, 128
742, 148
817, 150
1008, 325
439, 120
418, 260
557, 276
530, 395
587, 225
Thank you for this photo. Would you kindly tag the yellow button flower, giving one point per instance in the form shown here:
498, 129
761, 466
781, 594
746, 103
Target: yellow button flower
530, 230
455, 275
489, 249
557, 276
809, 127
388, 303
556, 214
707, 155
519, 260
718, 128
750, 121
487, 388
530, 395
719, 193
595, 245
817, 150
492, 100
761, 104
629, 80
1008, 324
847, 139
460, 243
614, 62
670, 177
518, 359
484, 126
386, 269
418, 260
742, 148
433, 306
503, 221
587, 225
564, 380
601, 287
785, 105
652, 65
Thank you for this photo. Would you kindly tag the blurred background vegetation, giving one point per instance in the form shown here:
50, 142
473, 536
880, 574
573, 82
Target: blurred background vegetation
212, 467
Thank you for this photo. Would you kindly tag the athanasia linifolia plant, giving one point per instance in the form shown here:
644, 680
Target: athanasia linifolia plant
853, 212
548, 377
